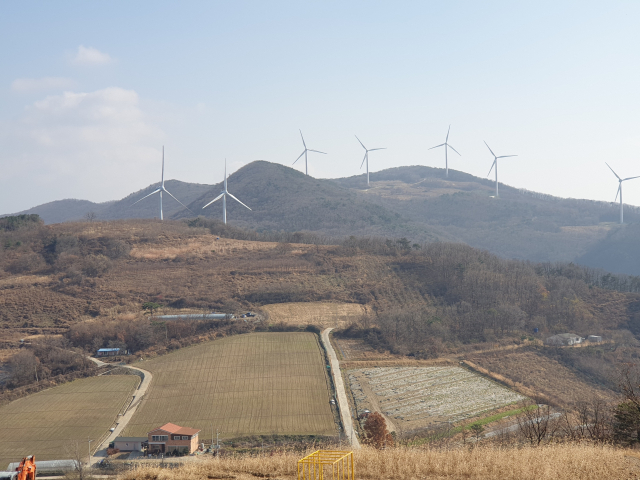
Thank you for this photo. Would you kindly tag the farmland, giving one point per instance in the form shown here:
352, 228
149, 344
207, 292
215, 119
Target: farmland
260, 383
323, 314
414, 397
49, 423
545, 376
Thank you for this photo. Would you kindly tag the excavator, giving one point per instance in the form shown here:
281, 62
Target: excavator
25, 471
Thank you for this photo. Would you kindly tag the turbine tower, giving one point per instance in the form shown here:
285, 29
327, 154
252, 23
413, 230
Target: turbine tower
620, 180
446, 147
366, 156
223, 195
495, 164
162, 189
306, 168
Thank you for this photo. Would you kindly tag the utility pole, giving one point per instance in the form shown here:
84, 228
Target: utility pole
217, 442
89, 440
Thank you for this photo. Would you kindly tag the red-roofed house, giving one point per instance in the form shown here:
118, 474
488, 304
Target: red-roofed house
171, 438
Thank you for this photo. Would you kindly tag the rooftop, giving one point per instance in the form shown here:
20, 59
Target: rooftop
176, 429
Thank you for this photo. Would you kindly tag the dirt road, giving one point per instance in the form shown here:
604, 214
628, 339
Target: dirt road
101, 452
343, 403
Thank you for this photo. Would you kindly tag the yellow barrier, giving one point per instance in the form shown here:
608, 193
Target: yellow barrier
327, 465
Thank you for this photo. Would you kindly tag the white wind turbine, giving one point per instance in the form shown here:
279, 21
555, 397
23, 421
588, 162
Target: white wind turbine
446, 147
223, 195
162, 189
306, 169
495, 164
620, 180
366, 156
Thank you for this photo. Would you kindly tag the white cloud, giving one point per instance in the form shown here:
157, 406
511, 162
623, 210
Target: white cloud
26, 85
97, 145
90, 56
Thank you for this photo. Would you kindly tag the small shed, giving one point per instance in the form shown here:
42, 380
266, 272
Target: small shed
108, 352
129, 444
564, 339
595, 338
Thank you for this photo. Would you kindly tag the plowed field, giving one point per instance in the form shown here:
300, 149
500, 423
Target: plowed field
417, 396
260, 383
316, 313
49, 423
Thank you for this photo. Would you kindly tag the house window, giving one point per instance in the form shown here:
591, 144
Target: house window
159, 438
184, 437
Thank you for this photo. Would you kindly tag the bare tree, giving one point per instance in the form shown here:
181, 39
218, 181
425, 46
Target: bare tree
536, 422
90, 216
74, 452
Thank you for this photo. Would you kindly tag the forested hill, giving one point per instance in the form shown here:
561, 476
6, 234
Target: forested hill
415, 202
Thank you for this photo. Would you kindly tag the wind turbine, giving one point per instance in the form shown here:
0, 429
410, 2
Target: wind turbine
620, 180
223, 195
495, 164
446, 147
366, 156
306, 169
162, 189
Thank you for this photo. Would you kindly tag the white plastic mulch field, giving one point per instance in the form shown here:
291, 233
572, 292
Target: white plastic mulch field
417, 393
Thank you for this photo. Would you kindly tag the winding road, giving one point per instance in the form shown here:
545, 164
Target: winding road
101, 452
343, 402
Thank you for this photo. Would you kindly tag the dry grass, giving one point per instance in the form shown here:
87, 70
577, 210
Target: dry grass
259, 383
323, 314
553, 462
533, 374
46, 423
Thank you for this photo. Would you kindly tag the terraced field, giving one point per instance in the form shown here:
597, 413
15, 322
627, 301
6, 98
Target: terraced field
413, 397
49, 423
259, 383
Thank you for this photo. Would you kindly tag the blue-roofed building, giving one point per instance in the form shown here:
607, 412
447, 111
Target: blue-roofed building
108, 352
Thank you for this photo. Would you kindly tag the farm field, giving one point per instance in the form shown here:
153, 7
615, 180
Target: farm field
47, 424
323, 314
414, 397
252, 384
541, 374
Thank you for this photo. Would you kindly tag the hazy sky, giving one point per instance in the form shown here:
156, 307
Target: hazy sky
90, 91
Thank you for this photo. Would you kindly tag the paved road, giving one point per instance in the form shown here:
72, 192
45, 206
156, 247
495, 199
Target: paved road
101, 453
343, 403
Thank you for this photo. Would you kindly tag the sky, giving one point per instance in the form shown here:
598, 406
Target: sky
91, 91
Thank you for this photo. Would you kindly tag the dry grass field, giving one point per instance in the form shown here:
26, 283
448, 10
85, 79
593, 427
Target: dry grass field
322, 314
48, 423
535, 374
259, 383
552, 462
414, 397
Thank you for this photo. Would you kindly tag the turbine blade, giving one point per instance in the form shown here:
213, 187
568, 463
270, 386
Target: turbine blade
630, 178
442, 144
155, 191
507, 156
238, 201
489, 149
299, 157
214, 200
372, 149
365, 157
170, 194
618, 192
318, 151
447, 139
492, 165
453, 149
361, 142
612, 170
305, 145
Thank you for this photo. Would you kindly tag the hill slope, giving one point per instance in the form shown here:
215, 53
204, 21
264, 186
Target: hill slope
415, 202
